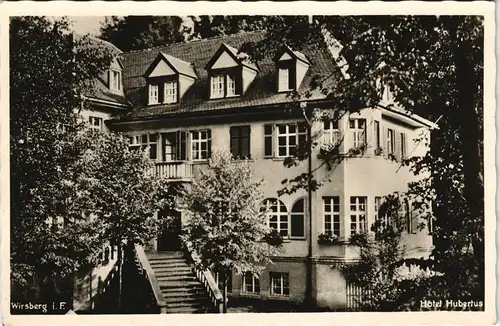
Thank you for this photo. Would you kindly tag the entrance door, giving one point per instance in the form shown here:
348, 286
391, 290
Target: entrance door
168, 239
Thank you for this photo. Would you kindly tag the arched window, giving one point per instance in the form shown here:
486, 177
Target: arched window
278, 215
297, 217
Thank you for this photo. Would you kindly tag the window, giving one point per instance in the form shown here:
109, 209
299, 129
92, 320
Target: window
231, 85
251, 283
376, 130
283, 79
95, 124
279, 284
331, 213
144, 141
289, 137
297, 219
217, 86
277, 215
358, 214
116, 80
403, 145
358, 128
240, 141
170, 92
200, 144
331, 133
391, 144
153, 94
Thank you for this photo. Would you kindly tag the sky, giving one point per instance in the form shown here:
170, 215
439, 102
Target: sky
87, 24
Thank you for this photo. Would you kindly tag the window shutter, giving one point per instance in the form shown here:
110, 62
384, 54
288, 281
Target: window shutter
233, 141
403, 145
245, 142
268, 140
209, 143
292, 81
239, 82
181, 147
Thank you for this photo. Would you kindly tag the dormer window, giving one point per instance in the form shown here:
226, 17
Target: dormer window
170, 92
291, 68
217, 86
283, 79
153, 94
230, 72
116, 80
231, 85
168, 79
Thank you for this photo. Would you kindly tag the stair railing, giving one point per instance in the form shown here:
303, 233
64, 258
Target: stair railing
206, 278
147, 271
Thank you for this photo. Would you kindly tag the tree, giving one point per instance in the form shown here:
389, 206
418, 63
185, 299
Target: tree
434, 66
226, 229
141, 32
212, 26
49, 70
72, 190
126, 193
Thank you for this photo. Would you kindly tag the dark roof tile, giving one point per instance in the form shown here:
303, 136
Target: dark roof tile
262, 90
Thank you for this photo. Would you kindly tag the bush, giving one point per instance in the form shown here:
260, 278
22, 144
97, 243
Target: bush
328, 238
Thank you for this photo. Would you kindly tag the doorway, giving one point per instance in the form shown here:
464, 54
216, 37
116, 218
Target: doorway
168, 239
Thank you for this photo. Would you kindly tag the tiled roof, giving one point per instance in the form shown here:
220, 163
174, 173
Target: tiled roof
181, 66
261, 92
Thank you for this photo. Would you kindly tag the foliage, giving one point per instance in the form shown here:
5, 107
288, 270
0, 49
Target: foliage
328, 238
48, 72
142, 32
72, 190
226, 228
212, 26
274, 238
359, 239
434, 68
126, 191
381, 256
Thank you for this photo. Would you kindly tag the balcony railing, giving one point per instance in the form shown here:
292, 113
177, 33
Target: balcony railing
174, 170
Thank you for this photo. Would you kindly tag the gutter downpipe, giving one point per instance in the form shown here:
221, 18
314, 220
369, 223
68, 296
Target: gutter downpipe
309, 262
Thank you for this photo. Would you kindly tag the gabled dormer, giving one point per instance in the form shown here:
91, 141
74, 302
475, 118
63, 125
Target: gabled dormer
113, 76
230, 72
291, 67
167, 79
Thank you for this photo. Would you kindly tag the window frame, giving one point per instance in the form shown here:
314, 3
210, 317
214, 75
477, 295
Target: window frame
284, 278
115, 83
391, 141
94, 127
152, 100
287, 135
137, 142
360, 215
284, 79
331, 135
255, 284
356, 132
267, 204
334, 215
200, 141
173, 97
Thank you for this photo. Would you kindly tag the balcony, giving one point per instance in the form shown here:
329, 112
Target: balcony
174, 170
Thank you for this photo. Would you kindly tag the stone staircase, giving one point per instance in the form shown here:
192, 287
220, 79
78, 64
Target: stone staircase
182, 291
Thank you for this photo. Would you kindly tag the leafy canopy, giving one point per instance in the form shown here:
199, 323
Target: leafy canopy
226, 229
